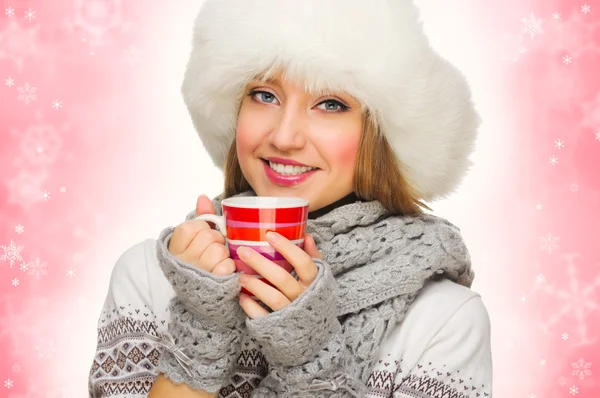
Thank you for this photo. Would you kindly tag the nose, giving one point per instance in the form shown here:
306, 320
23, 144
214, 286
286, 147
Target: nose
288, 132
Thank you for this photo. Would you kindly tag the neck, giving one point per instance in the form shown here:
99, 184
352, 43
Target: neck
350, 198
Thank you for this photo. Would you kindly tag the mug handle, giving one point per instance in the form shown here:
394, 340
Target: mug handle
219, 221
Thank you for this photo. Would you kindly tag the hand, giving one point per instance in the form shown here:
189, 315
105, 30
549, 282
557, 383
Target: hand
287, 287
196, 243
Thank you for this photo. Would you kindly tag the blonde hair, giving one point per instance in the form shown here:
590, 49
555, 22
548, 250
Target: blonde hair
377, 175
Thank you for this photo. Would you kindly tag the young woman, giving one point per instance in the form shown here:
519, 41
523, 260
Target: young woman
378, 124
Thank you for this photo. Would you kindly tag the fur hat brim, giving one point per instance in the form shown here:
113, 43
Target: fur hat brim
375, 51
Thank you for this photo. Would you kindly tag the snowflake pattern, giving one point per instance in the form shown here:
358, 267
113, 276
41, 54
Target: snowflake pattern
554, 160
56, 104
19, 229
549, 243
10, 12
27, 93
30, 15
567, 60
37, 268
575, 301
556, 16
15, 282
9, 384
573, 390
12, 253
581, 369
533, 25
585, 9
559, 144
9, 82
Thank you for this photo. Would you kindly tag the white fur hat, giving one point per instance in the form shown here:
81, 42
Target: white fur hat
374, 50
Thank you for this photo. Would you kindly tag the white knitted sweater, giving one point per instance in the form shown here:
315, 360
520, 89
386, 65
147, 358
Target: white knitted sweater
440, 350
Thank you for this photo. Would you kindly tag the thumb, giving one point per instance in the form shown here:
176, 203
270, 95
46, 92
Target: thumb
310, 247
204, 206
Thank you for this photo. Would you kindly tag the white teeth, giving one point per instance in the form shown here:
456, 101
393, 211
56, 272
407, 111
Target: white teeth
288, 169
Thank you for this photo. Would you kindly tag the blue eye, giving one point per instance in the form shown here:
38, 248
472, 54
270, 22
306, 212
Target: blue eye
334, 106
263, 96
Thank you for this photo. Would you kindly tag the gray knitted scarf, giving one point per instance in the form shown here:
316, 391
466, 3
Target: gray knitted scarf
380, 262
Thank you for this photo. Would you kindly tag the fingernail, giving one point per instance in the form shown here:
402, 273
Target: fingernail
272, 236
243, 279
243, 252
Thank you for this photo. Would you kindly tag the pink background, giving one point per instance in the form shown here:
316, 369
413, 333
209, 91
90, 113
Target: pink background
97, 152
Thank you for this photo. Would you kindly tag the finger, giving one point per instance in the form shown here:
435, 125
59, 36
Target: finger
184, 234
298, 258
203, 239
310, 247
214, 254
204, 206
251, 307
272, 297
225, 267
277, 275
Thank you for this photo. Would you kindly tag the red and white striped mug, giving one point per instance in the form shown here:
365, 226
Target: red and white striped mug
247, 219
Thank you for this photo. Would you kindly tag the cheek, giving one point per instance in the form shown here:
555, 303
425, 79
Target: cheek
342, 154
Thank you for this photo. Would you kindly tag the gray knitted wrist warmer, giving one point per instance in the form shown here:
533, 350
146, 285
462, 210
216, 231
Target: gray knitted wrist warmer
304, 345
295, 334
206, 322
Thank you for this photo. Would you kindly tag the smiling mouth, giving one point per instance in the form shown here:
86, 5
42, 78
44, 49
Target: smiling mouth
289, 171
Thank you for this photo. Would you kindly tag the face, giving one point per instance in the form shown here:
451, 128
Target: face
280, 122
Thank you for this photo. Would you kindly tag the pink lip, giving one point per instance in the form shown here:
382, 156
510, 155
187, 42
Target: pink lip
286, 181
286, 161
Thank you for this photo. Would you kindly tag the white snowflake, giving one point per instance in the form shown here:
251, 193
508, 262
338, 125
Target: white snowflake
564, 336
532, 396
15, 282
554, 160
562, 381
523, 299
63, 189
581, 369
541, 279
598, 136
46, 195
30, 15
56, 104
585, 8
549, 243
12, 253
19, 229
543, 362
41, 143
567, 59
539, 206
9, 384
38, 268
560, 144
573, 390
70, 272
533, 25
576, 301
9, 82
24, 267
556, 16
27, 93
10, 12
